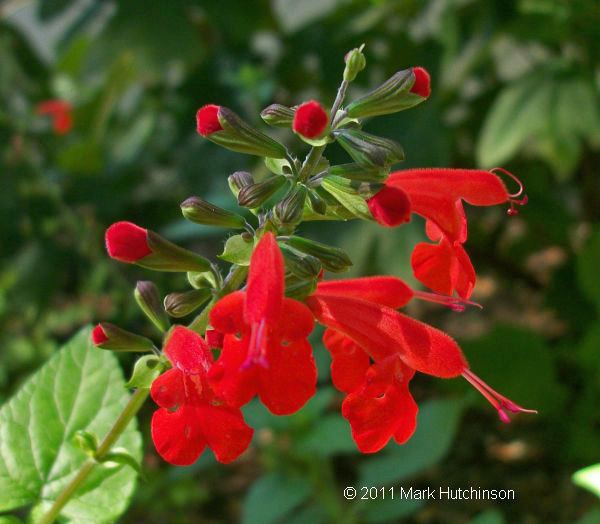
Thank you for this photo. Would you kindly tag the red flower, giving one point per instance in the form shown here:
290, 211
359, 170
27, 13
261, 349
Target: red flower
207, 120
127, 242
61, 113
422, 85
265, 351
98, 335
310, 119
390, 206
190, 416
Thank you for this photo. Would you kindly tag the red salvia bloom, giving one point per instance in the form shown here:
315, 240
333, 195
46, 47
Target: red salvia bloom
207, 120
363, 326
310, 119
61, 113
422, 85
191, 416
98, 335
265, 351
127, 242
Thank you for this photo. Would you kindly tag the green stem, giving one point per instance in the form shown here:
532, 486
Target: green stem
129, 411
312, 159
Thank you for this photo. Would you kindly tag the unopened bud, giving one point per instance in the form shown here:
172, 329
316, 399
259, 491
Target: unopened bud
317, 204
289, 210
148, 298
369, 150
181, 304
355, 63
223, 127
405, 89
200, 211
299, 289
300, 264
109, 336
334, 183
359, 172
332, 258
238, 180
277, 115
256, 194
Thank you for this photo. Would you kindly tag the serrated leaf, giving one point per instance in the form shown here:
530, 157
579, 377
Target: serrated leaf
589, 478
145, 370
289, 492
79, 388
237, 251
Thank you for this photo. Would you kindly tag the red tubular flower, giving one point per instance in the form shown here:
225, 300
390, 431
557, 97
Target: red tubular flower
61, 113
265, 351
127, 242
390, 206
310, 119
190, 416
422, 85
207, 120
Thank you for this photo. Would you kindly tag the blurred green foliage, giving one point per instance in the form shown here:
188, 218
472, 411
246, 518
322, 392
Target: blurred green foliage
514, 83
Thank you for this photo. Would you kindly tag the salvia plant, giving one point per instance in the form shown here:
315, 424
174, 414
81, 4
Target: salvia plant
249, 335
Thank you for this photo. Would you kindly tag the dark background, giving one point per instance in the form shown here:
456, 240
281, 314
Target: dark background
514, 83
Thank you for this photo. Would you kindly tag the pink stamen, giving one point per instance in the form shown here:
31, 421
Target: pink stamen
256, 347
454, 303
513, 198
500, 402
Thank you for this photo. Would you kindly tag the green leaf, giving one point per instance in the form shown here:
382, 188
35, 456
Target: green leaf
330, 436
437, 423
145, 371
354, 203
237, 250
272, 497
390, 509
488, 517
589, 478
79, 388
587, 268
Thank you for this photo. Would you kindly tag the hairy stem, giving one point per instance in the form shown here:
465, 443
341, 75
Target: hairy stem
129, 411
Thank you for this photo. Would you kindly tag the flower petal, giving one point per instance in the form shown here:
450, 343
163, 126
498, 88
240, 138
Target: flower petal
168, 389
265, 288
188, 351
177, 436
382, 331
296, 320
227, 316
291, 378
349, 362
390, 207
384, 290
225, 431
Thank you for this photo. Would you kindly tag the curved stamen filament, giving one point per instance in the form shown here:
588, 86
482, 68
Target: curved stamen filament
509, 174
454, 303
500, 402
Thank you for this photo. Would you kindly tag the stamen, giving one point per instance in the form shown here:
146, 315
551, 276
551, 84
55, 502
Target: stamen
454, 303
513, 198
256, 347
500, 402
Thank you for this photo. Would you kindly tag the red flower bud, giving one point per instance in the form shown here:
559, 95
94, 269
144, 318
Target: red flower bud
422, 85
127, 242
98, 335
60, 111
310, 119
207, 120
390, 206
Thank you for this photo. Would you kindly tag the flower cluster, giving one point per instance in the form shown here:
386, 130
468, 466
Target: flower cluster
250, 336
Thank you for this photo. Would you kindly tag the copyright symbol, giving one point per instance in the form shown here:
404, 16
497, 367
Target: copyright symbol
349, 493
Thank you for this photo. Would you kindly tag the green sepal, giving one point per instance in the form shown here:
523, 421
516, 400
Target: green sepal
86, 442
238, 250
300, 264
202, 280
369, 150
167, 256
390, 97
278, 115
317, 204
355, 171
288, 211
121, 457
254, 195
179, 305
299, 289
348, 196
145, 371
238, 180
148, 299
199, 211
119, 339
332, 258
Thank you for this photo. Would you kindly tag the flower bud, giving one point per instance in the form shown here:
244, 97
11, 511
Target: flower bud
352, 187
197, 210
238, 180
109, 336
289, 210
132, 244
317, 204
181, 304
202, 280
299, 289
277, 115
359, 172
147, 297
369, 150
310, 119
355, 63
256, 194
332, 258
300, 264
390, 207
223, 127
405, 89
